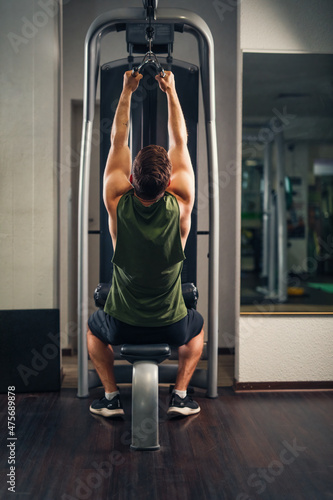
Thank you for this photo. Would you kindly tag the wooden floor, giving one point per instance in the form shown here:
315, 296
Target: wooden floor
269, 446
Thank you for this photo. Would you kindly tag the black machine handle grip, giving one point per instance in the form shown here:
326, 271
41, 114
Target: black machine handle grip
151, 59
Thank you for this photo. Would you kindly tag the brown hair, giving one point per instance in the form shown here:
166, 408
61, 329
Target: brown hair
151, 172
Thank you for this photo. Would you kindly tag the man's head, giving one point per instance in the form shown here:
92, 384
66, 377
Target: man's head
151, 172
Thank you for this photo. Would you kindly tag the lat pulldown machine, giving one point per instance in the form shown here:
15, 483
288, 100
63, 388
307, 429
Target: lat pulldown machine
151, 21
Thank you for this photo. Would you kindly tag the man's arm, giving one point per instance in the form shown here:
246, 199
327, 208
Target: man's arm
182, 176
118, 166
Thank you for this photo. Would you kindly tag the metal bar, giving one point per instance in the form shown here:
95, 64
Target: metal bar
266, 207
207, 65
83, 389
100, 26
272, 250
281, 220
213, 290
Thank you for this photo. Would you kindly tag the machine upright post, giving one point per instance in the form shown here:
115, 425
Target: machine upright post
91, 60
83, 389
100, 26
207, 64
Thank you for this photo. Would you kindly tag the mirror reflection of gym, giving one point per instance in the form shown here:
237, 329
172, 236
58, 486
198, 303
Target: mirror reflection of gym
287, 183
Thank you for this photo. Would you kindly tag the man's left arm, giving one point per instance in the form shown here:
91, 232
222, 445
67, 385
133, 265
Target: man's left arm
118, 166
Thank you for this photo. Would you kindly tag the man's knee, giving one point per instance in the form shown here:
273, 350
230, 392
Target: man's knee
196, 342
90, 335
200, 336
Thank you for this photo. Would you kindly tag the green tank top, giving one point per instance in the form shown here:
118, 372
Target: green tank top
147, 263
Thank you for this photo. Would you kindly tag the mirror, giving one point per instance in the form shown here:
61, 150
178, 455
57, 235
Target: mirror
287, 183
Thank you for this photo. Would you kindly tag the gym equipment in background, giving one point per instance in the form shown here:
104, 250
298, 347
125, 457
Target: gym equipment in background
274, 216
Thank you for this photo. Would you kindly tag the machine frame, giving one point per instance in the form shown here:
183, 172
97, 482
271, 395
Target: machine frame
195, 25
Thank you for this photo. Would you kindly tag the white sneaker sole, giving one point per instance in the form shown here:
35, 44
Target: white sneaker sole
174, 411
108, 413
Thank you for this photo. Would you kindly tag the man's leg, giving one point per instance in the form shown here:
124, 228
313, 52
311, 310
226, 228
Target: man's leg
102, 357
188, 357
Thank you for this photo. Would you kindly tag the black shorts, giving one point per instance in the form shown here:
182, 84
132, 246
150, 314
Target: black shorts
112, 331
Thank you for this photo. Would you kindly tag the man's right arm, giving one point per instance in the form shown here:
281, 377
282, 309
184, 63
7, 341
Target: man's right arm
182, 176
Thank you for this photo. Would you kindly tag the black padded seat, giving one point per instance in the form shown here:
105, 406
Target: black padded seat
145, 352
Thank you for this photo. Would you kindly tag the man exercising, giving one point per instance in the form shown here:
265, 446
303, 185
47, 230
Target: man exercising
149, 222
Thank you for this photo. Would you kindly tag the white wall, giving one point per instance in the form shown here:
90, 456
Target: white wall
282, 347
285, 348
286, 26
78, 15
28, 148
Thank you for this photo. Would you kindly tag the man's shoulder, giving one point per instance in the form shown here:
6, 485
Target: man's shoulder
183, 202
113, 201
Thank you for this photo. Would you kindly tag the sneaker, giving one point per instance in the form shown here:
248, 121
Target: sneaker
182, 406
106, 407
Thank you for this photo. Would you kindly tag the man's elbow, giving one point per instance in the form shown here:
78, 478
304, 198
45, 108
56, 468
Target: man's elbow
179, 141
118, 145
119, 140
116, 142
105, 196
